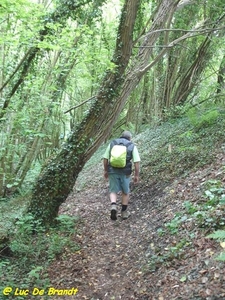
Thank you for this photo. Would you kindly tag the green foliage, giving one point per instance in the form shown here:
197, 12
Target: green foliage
220, 236
31, 250
201, 119
66, 223
180, 150
167, 255
216, 194
29, 233
174, 224
207, 214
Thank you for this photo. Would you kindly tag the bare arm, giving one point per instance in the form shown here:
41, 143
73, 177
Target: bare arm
105, 164
136, 171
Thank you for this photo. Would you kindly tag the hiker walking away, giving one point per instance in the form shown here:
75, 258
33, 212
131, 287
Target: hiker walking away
118, 169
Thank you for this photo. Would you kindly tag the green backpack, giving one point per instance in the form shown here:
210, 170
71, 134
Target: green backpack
118, 155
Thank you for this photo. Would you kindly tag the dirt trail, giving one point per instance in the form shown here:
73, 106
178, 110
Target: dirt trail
116, 258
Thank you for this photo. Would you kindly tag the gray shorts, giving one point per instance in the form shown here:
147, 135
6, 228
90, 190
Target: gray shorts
119, 182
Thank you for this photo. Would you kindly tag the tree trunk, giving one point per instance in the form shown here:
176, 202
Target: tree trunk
188, 82
221, 77
59, 175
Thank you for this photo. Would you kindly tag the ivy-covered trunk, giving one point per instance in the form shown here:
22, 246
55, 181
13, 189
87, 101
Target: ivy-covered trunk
56, 182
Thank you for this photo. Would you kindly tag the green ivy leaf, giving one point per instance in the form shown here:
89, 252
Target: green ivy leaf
183, 278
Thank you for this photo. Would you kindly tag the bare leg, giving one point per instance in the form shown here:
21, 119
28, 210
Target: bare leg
124, 213
125, 199
113, 197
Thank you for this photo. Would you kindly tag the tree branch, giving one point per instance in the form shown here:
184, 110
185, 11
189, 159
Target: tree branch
78, 105
199, 31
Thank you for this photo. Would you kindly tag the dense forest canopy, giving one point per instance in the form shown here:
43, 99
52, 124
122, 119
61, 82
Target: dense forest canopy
74, 72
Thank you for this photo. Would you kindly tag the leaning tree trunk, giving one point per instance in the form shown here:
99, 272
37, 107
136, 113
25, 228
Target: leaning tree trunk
192, 75
59, 175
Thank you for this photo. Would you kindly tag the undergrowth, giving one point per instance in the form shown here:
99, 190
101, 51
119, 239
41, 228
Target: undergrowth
30, 250
207, 215
175, 148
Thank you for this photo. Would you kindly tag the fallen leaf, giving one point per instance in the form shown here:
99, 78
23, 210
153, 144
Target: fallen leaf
216, 275
183, 278
222, 244
204, 279
208, 291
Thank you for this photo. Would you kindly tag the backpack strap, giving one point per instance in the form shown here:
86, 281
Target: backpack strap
120, 142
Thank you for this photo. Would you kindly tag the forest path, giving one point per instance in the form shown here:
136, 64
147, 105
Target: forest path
121, 259
115, 252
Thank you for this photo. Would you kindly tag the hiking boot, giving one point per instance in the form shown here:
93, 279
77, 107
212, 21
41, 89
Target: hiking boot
113, 212
125, 214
